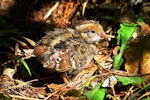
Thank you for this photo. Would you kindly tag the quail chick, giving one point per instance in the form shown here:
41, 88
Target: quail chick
69, 50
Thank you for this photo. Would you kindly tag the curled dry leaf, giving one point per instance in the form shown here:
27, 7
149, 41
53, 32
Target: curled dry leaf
9, 72
137, 57
145, 68
102, 59
82, 77
57, 88
116, 49
144, 29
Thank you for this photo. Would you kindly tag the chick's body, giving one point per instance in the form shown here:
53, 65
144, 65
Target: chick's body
69, 50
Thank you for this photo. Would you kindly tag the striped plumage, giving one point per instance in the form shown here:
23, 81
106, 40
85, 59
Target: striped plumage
69, 50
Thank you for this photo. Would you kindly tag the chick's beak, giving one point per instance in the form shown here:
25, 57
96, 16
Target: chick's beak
104, 35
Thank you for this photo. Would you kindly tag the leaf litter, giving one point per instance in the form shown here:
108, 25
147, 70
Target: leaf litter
99, 80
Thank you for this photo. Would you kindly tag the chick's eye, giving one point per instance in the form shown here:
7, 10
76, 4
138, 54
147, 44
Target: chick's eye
84, 33
92, 31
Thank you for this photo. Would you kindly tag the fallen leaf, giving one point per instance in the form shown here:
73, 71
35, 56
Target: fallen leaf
130, 80
145, 68
96, 93
138, 57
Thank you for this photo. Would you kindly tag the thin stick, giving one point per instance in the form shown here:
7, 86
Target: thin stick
51, 10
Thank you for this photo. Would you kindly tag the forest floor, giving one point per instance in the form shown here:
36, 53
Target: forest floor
24, 22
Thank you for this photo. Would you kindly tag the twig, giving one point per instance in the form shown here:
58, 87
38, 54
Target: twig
142, 96
84, 6
128, 93
22, 97
51, 10
114, 93
23, 84
55, 92
29, 40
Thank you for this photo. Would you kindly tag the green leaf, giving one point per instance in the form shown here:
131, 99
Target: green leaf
96, 93
73, 92
117, 61
23, 62
124, 35
4, 97
140, 20
146, 99
130, 80
9, 31
99, 95
126, 31
25, 65
89, 81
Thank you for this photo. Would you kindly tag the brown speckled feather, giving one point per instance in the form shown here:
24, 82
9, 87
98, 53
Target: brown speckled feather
69, 50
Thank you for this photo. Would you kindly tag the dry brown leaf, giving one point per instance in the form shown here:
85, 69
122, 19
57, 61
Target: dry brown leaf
145, 68
144, 29
101, 59
83, 76
138, 57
